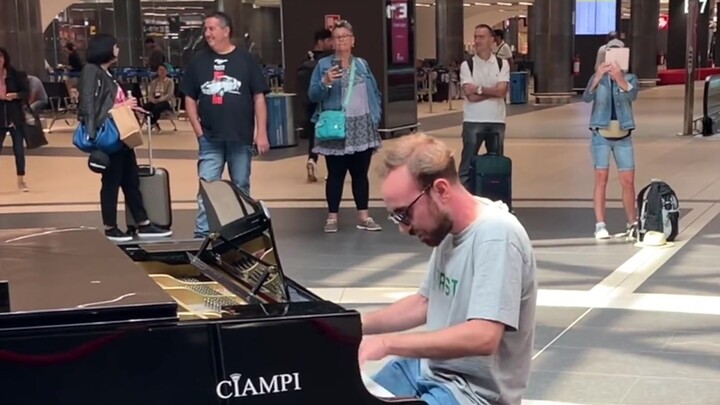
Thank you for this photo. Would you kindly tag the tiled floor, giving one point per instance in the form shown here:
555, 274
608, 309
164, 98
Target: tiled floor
616, 324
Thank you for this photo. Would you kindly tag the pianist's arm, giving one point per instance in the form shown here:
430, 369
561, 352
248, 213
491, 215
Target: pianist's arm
408, 313
492, 308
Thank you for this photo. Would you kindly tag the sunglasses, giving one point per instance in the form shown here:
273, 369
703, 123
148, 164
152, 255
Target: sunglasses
403, 216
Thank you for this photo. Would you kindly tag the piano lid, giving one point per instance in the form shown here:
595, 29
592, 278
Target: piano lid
244, 252
68, 276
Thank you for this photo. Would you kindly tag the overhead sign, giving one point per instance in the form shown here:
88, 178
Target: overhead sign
331, 20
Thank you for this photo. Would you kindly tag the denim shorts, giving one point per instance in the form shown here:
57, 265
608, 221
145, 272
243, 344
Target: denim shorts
621, 150
403, 378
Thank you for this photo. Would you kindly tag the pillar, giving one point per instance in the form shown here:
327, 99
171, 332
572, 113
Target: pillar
553, 30
239, 12
129, 32
644, 16
530, 31
449, 22
512, 33
677, 23
21, 33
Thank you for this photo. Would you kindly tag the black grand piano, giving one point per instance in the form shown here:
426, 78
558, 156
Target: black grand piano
214, 321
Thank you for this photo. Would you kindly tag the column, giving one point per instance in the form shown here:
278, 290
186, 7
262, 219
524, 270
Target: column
512, 33
240, 13
449, 22
677, 23
530, 31
644, 16
553, 31
21, 33
129, 32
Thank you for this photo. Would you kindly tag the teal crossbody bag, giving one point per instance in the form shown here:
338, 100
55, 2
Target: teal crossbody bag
330, 125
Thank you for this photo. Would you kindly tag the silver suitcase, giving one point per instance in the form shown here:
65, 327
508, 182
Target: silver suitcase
155, 190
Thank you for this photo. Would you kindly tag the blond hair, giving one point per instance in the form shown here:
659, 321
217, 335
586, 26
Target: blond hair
427, 158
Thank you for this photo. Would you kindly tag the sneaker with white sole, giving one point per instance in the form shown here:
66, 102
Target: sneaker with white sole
369, 225
116, 235
601, 231
331, 226
151, 231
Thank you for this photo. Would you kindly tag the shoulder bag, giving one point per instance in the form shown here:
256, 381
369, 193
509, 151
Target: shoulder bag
331, 123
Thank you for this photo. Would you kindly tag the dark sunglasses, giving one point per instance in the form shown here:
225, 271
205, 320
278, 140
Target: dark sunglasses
403, 216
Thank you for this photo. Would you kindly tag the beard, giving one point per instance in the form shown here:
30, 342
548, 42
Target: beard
434, 236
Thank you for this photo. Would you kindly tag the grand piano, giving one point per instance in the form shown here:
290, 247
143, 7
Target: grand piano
213, 321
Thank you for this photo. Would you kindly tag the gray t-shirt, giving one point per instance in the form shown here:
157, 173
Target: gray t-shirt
485, 272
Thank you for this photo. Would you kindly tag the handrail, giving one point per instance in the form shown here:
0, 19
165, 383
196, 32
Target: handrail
711, 105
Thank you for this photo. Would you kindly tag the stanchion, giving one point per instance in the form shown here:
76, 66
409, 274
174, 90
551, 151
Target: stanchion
690, 44
430, 100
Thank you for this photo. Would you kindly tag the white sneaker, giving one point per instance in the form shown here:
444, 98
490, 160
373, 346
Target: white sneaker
601, 231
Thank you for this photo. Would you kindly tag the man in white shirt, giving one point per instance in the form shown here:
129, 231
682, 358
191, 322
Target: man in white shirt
503, 50
485, 85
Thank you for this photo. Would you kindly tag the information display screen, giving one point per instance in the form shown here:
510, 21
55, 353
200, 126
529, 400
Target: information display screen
400, 40
595, 17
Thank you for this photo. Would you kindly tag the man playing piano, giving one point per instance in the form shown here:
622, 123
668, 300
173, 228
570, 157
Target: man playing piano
477, 300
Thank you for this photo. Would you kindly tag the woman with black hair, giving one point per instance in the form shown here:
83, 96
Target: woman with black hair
14, 91
99, 93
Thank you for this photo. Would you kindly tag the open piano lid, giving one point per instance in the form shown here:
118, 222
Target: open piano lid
243, 255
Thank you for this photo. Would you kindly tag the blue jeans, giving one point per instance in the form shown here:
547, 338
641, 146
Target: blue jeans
622, 151
212, 156
402, 378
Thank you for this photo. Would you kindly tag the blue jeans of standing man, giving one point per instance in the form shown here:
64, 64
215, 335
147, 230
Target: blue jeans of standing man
473, 136
212, 156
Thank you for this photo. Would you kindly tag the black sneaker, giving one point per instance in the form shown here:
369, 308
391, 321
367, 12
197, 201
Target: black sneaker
152, 231
116, 235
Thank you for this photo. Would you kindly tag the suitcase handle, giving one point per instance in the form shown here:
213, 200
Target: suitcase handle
147, 115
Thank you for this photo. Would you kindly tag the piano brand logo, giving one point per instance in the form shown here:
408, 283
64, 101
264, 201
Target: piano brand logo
239, 387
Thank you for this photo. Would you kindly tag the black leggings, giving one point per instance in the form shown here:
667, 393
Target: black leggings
18, 148
358, 164
121, 173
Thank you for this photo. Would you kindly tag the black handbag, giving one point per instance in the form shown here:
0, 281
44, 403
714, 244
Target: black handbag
32, 129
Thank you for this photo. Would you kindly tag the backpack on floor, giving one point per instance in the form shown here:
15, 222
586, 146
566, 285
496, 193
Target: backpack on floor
658, 210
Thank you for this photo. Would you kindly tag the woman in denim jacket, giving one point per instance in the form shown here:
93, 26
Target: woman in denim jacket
612, 92
328, 86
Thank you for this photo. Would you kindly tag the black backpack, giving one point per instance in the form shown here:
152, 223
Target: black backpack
471, 64
658, 210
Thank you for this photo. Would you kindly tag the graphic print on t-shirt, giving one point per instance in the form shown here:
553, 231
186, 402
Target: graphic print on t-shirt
220, 84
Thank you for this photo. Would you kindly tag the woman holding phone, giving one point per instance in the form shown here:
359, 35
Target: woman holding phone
612, 92
334, 78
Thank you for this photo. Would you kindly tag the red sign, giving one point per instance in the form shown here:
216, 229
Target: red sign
331, 20
400, 31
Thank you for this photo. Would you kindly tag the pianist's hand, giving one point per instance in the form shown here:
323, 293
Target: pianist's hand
373, 348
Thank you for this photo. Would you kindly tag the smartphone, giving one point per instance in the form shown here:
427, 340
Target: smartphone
336, 63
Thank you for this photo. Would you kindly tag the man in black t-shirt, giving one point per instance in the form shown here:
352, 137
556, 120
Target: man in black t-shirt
224, 92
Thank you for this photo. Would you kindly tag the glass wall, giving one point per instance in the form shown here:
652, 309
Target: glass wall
175, 25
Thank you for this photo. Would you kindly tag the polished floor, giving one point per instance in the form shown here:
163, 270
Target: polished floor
616, 324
